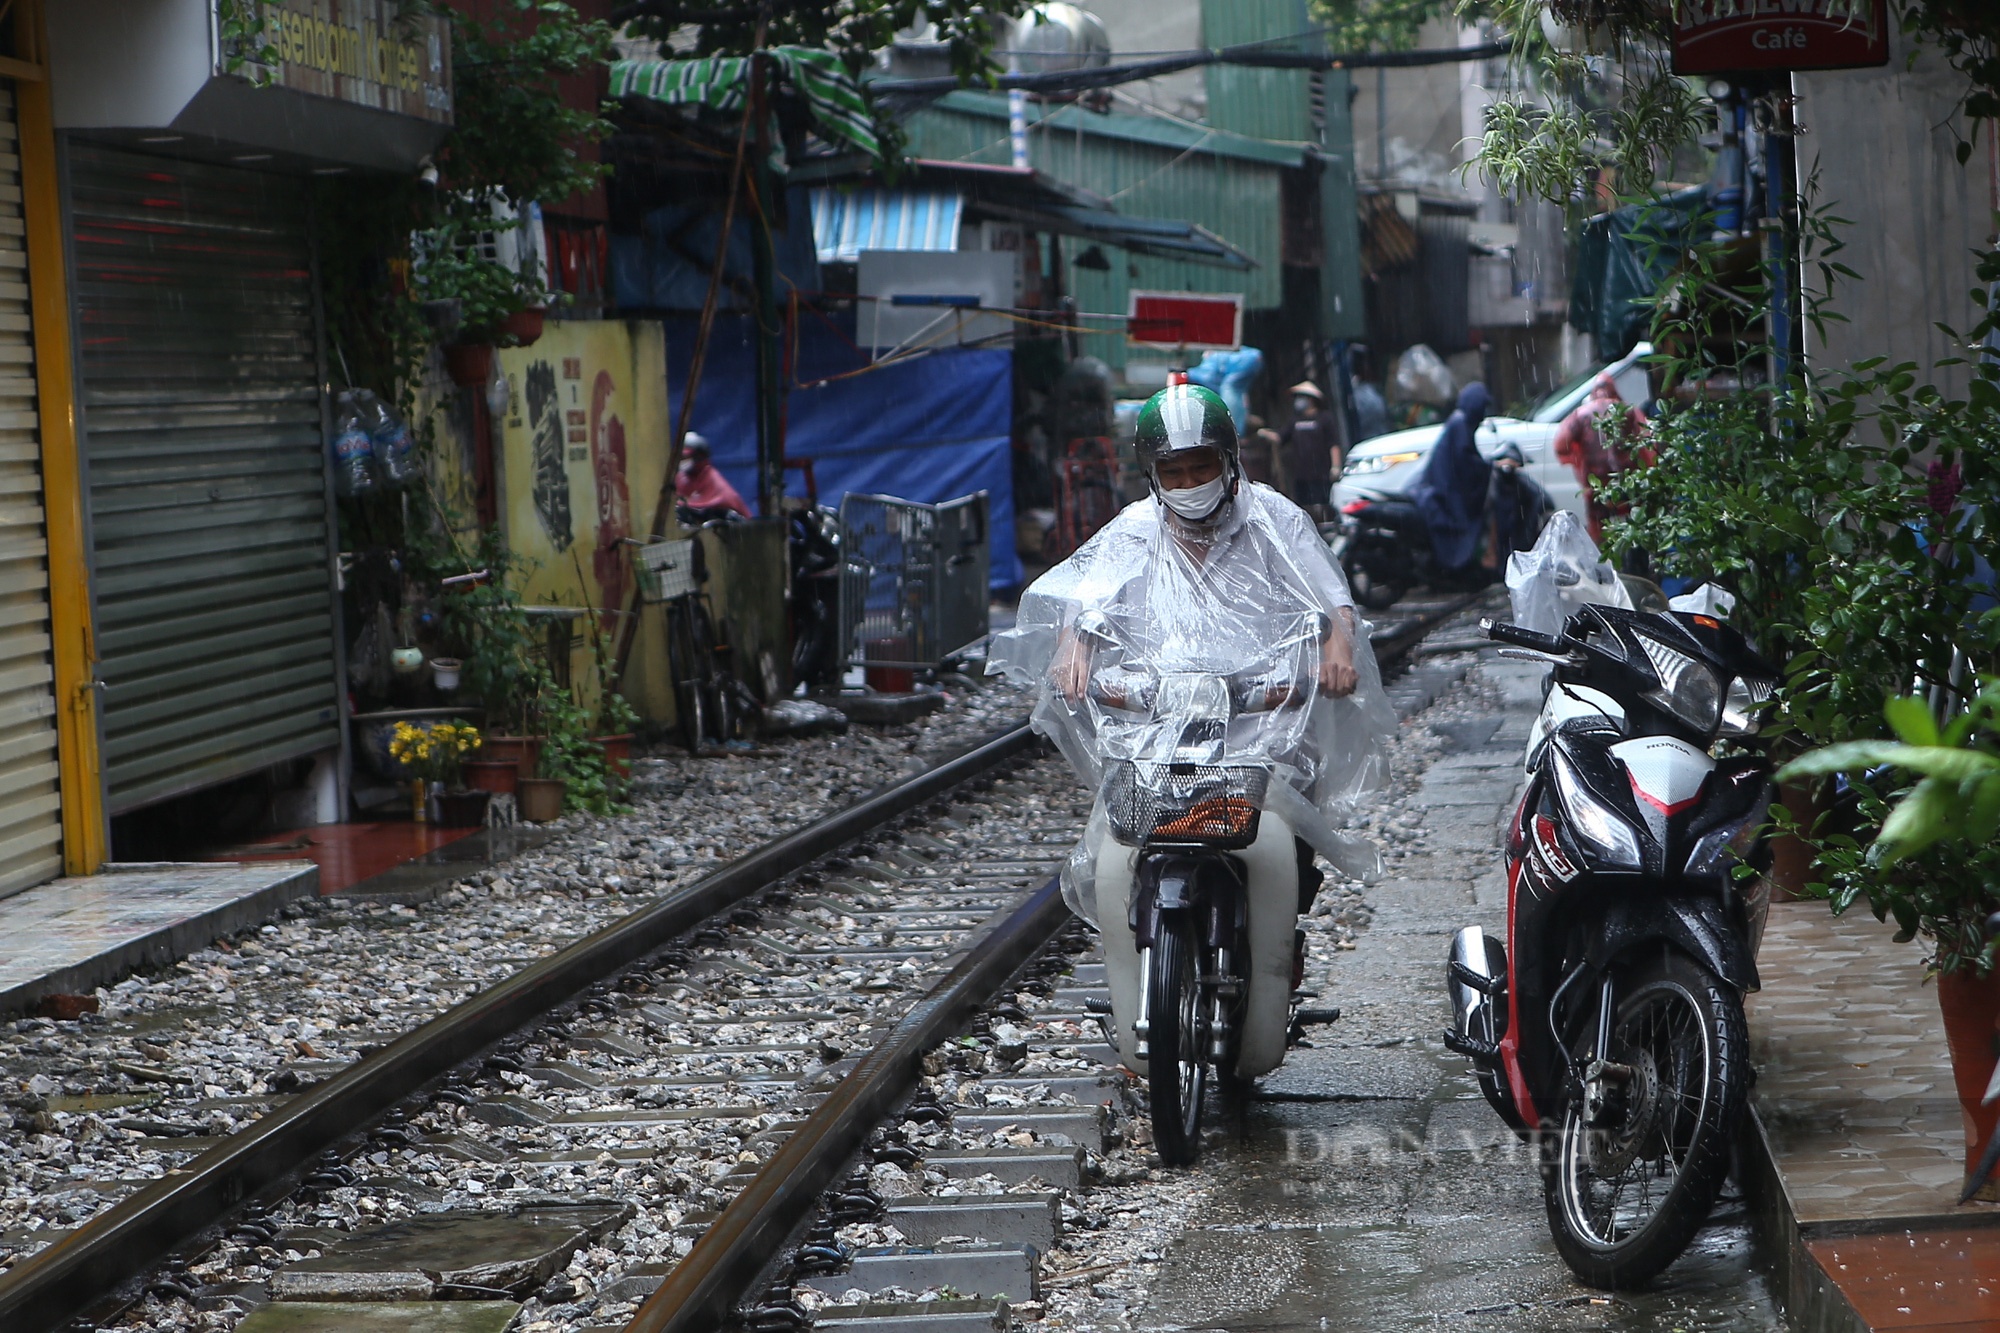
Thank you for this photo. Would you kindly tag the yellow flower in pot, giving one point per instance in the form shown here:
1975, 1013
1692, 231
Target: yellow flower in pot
434, 756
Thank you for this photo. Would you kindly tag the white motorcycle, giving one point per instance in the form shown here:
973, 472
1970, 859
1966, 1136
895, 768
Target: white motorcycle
1208, 882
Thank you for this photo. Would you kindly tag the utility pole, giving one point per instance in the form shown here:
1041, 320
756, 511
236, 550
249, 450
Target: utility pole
764, 311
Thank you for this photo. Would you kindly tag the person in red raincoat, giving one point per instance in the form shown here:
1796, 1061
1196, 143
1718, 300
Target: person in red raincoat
1581, 442
701, 484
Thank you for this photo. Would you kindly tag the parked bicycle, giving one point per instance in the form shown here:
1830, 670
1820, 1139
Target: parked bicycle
710, 704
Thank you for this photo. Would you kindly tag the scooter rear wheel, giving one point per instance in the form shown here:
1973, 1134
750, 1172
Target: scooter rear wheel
1177, 1070
1634, 1177
1364, 566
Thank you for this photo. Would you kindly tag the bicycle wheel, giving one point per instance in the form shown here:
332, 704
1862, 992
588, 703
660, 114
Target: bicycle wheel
1638, 1169
716, 705
689, 710
1177, 1070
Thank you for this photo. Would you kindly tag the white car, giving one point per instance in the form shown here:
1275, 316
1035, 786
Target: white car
1387, 466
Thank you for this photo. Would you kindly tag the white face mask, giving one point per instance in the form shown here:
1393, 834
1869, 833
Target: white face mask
1195, 503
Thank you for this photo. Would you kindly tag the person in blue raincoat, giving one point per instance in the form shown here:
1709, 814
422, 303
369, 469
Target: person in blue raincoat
1451, 493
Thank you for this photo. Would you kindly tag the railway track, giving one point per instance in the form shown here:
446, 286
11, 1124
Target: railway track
717, 1061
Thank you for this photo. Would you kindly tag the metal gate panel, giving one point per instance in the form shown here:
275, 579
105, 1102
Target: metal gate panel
208, 501
30, 805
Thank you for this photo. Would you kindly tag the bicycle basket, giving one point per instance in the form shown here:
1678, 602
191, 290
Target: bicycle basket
1206, 803
666, 570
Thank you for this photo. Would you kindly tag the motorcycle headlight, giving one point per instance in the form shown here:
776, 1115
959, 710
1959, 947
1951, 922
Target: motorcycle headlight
1742, 704
1596, 827
1689, 689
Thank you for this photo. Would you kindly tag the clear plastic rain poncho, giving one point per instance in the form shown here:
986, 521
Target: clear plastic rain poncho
1153, 602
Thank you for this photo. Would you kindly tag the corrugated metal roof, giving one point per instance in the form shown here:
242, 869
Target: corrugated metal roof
846, 222
896, 219
1263, 103
1235, 196
1158, 130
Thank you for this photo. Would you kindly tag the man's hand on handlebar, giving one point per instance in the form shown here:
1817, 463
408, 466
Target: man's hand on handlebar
1070, 672
1336, 661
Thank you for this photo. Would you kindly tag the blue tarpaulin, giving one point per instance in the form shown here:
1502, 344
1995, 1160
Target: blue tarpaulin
929, 429
665, 265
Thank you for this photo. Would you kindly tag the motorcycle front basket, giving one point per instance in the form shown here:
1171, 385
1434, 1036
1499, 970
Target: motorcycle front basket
1216, 805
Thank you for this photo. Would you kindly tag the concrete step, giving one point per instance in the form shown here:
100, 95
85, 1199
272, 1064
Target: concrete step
1013, 1219
1060, 1167
1087, 1126
1088, 1089
388, 1317
987, 1315
984, 1270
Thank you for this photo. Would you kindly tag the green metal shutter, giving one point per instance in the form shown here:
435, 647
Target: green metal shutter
30, 804
208, 491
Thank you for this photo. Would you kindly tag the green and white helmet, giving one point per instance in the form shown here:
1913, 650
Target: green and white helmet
1182, 417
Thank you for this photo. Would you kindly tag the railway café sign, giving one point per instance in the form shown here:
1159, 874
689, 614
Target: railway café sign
1728, 36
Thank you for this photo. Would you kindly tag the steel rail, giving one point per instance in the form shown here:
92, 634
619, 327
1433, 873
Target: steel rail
1396, 642
101, 1257
704, 1288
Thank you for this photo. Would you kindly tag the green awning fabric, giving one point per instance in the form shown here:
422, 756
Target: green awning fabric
721, 83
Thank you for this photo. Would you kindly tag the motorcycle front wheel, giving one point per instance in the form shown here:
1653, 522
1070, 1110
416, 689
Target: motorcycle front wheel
1176, 1071
1638, 1166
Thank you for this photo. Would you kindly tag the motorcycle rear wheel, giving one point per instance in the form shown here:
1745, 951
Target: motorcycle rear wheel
1372, 591
1177, 1073
1626, 1196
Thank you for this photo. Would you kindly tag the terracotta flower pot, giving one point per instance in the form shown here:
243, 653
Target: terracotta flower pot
463, 809
538, 800
1971, 1008
888, 680
525, 751
492, 775
524, 326
617, 755
469, 364
1791, 858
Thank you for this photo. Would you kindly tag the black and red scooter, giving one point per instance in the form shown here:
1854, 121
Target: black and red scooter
1609, 1027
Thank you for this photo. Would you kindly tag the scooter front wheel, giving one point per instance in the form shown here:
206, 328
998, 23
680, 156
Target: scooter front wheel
1177, 1072
1644, 1150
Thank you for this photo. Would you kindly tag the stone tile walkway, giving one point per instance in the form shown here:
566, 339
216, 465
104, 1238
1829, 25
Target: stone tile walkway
1865, 1139
1854, 1086
70, 936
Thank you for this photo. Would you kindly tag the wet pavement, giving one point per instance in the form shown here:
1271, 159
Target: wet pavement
1368, 1185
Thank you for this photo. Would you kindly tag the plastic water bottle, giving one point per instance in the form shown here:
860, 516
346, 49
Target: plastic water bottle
353, 450
389, 439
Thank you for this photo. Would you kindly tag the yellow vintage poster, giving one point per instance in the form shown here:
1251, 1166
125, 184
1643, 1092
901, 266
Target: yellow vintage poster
581, 458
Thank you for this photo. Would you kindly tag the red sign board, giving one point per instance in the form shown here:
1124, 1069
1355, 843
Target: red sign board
1724, 36
1198, 321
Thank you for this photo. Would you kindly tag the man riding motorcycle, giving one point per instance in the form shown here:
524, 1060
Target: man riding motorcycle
1220, 581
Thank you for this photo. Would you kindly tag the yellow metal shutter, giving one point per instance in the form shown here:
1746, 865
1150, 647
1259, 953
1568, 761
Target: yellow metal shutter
30, 817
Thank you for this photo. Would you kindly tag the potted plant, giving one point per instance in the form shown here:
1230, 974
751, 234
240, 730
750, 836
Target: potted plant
616, 720
1931, 798
617, 723
545, 796
433, 756
451, 267
571, 753
494, 640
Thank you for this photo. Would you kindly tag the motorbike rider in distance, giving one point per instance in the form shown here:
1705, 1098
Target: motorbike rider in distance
1213, 579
